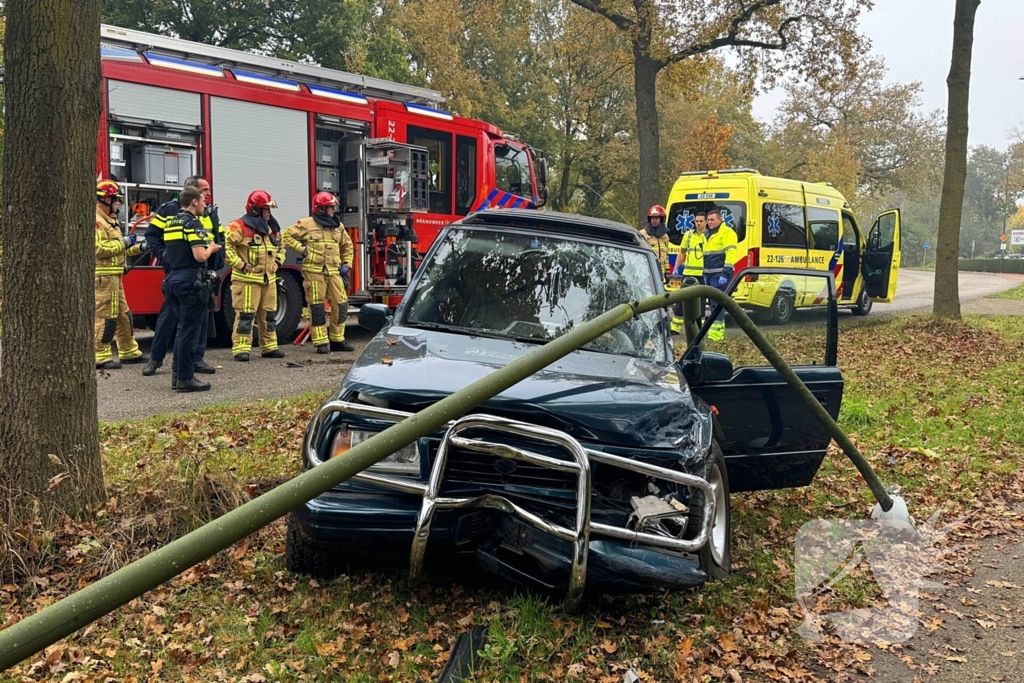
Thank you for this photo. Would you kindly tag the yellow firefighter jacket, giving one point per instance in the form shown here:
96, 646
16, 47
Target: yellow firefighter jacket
328, 248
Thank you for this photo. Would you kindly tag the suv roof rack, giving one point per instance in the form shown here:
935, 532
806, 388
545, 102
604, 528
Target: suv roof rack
139, 41
554, 221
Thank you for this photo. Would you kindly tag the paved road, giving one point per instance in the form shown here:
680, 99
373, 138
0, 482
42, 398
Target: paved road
916, 288
125, 393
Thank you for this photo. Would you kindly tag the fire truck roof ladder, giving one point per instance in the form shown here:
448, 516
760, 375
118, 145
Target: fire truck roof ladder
140, 41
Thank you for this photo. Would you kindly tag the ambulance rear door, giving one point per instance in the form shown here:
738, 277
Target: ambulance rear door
824, 246
881, 260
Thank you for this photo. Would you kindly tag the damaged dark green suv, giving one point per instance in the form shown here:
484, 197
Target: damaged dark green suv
608, 471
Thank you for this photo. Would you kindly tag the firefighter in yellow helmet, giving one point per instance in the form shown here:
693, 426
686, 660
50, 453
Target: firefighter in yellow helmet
656, 234
113, 319
326, 250
252, 249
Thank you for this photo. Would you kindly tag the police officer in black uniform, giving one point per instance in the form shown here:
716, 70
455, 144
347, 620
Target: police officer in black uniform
189, 247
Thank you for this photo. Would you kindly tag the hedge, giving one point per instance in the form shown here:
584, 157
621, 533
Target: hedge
993, 265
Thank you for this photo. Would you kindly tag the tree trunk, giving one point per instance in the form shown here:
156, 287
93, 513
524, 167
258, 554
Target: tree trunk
49, 442
947, 289
645, 76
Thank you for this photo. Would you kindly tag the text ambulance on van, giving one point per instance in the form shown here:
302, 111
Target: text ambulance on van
781, 222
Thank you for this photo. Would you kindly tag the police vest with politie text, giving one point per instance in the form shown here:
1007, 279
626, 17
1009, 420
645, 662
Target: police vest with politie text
180, 235
210, 220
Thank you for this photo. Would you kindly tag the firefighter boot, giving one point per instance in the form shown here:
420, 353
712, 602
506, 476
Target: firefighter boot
242, 357
112, 364
274, 353
324, 348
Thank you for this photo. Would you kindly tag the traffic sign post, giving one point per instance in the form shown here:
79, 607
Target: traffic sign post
926, 248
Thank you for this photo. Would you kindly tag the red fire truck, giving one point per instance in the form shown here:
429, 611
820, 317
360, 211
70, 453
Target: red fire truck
401, 167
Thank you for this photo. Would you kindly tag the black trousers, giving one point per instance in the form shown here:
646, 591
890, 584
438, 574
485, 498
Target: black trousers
191, 312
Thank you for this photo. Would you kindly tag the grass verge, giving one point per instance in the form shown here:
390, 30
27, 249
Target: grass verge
1015, 294
937, 409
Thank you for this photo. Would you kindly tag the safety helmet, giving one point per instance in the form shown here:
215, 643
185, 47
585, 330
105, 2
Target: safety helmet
656, 210
107, 191
321, 200
259, 200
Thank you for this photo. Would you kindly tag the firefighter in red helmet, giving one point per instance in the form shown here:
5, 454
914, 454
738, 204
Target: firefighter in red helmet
252, 249
326, 250
656, 234
113, 319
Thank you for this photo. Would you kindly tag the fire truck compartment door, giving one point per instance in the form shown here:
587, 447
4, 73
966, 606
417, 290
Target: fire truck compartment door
259, 147
149, 103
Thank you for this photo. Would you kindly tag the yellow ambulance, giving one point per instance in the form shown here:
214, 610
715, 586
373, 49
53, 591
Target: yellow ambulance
792, 224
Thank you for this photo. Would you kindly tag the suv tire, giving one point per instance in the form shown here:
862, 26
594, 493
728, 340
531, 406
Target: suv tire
301, 557
716, 556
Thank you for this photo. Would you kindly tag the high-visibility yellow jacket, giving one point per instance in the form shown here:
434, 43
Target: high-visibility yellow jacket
693, 246
110, 249
244, 246
719, 249
326, 249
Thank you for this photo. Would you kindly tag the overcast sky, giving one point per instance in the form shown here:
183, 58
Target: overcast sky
916, 39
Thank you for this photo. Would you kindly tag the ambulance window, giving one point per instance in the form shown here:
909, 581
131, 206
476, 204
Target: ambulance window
439, 150
512, 170
783, 226
823, 229
849, 232
734, 214
465, 174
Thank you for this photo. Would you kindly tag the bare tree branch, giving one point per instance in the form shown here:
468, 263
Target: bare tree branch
732, 39
622, 22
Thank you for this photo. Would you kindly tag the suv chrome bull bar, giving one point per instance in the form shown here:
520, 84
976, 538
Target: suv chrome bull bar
579, 536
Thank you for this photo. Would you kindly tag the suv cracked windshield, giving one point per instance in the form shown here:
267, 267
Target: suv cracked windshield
537, 286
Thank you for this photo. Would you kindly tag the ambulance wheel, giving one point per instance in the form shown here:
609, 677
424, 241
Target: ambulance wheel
782, 307
289, 306
864, 303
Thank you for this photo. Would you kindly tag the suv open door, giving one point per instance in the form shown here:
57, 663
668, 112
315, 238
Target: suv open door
881, 261
768, 436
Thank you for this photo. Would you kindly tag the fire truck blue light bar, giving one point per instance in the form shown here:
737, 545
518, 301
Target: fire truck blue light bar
268, 81
183, 65
428, 111
341, 95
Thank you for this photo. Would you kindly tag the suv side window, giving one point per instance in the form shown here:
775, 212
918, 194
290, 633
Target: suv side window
782, 225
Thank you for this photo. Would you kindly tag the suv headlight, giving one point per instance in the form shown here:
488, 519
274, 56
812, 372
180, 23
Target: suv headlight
405, 461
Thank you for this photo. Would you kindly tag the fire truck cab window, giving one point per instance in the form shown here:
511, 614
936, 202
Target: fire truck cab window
439, 150
512, 170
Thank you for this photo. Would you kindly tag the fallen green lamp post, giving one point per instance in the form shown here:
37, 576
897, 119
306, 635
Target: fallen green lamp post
33, 634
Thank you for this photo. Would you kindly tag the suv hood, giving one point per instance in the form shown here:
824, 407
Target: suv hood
595, 397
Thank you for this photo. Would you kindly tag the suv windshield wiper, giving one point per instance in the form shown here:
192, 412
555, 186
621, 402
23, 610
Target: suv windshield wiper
434, 326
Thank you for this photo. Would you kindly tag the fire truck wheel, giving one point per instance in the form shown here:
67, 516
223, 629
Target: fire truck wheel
289, 305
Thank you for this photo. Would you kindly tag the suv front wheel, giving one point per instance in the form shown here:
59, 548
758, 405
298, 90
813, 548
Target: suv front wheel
716, 555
